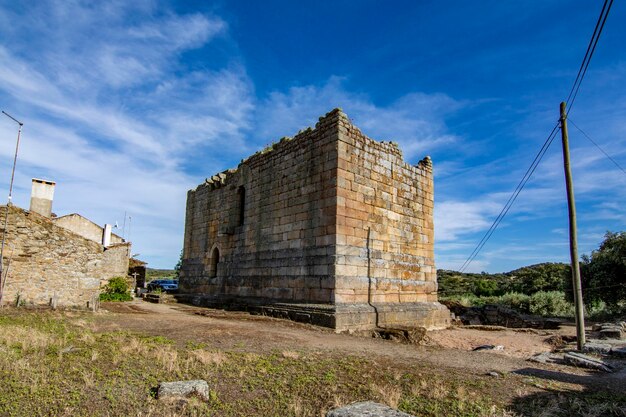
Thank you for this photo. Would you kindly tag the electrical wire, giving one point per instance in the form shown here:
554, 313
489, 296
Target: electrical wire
598, 146
593, 42
520, 186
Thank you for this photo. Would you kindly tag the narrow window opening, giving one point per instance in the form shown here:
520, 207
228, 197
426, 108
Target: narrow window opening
215, 259
242, 204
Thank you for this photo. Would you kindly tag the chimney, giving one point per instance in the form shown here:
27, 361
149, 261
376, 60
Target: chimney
106, 235
41, 197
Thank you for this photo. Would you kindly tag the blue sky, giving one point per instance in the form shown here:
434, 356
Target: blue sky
127, 105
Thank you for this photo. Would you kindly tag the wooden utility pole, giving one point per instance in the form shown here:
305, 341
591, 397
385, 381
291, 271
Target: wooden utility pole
573, 239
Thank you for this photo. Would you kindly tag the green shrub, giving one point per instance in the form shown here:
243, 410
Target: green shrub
116, 290
115, 297
541, 303
550, 303
516, 301
485, 287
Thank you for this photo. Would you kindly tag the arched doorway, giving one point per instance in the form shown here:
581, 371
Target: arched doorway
215, 259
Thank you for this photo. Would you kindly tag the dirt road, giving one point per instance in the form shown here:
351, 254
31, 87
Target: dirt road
446, 349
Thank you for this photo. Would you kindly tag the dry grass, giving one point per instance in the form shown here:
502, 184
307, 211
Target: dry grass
87, 338
89, 378
436, 389
205, 357
167, 357
251, 357
134, 345
27, 340
388, 394
290, 354
299, 408
114, 373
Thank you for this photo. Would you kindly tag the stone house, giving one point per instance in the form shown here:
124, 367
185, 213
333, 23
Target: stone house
329, 227
49, 261
86, 228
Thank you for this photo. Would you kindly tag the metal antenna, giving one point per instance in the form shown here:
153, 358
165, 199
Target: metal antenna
9, 202
128, 238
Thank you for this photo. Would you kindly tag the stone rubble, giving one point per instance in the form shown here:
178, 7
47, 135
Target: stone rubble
610, 330
586, 361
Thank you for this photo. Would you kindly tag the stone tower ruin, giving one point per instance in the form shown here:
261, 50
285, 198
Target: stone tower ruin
329, 227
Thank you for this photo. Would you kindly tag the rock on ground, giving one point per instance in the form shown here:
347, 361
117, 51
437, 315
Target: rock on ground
599, 348
184, 389
613, 332
585, 361
619, 352
366, 409
546, 357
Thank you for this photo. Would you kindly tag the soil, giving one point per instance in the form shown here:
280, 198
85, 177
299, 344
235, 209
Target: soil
444, 349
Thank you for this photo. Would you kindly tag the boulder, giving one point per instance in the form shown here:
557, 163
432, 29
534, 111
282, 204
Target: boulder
585, 361
611, 332
366, 409
598, 348
184, 389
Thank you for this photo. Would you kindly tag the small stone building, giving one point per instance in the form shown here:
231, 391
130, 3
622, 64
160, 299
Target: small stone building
137, 270
44, 261
329, 227
86, 228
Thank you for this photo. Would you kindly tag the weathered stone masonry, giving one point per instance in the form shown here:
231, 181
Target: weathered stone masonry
45, 260
330, 227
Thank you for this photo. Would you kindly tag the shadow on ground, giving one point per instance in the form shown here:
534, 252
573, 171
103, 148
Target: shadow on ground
599, 394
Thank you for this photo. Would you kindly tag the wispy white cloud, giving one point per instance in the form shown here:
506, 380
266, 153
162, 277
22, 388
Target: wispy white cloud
455, 218
464, 209
599, 186
111, 113
123, 121
416, 120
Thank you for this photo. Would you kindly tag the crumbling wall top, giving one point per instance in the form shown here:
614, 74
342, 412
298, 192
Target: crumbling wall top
335, 117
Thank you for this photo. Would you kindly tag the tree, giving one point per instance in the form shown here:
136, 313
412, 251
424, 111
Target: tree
540, 277
179, 264
603, 274
485, 287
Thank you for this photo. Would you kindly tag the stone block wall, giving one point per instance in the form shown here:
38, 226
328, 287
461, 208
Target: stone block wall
44, 260
271, 222
330, 217
385, 225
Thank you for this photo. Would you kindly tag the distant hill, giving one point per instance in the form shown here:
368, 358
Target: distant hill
527, 280
152, 273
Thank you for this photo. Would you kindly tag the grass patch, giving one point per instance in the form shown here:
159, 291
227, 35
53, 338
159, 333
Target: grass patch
566, 404
52, 363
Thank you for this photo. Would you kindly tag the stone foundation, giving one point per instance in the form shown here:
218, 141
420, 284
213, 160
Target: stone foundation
341, 317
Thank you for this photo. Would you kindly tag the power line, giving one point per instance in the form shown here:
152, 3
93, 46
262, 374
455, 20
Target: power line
597, 146
533, 166
604, 13
520, 186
